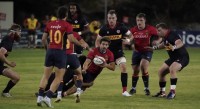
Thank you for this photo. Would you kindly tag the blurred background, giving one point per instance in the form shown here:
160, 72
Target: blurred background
180, 15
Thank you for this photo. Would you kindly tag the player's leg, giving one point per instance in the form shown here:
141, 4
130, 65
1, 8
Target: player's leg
59, 72
135, 77
144, 64
43, 83
145, 75
14, 79
174, 67
124, 75
136, 58
29, 39
163, 71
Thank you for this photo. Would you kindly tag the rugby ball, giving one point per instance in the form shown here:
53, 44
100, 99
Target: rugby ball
98, 60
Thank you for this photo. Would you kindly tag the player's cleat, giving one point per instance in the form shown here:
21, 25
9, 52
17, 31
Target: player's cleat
47, 102
132, 91
7, 95
39, 101
126, 94
77, 95
147, 92
58, 99
171, 95
160, 94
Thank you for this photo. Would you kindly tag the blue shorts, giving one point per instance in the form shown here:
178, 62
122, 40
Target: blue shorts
55, 57
138, 56
73, 61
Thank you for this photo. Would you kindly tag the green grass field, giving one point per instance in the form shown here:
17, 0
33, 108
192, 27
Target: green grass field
106, 92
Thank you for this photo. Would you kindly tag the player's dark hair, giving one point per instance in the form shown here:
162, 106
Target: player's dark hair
162, 25
15, 27
106, 39
77, 8
62, 12
112, 12
141, 15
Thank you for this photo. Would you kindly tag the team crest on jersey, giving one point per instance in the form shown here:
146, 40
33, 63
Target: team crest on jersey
76, 21
118, 31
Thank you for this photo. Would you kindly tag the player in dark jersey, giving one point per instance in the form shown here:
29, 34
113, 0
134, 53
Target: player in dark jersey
58, 31
91, 70
178, 59
116, 33
78, 22
6, 47
141, 57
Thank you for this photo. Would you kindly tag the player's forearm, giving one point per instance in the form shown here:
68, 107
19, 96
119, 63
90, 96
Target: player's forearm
110, 66
4, 59
178, 44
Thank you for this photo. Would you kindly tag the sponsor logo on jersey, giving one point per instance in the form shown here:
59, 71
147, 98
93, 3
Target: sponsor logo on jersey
115, 37
56, 27
140, 35
76, 26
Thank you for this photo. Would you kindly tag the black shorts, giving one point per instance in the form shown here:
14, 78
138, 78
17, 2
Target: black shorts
31, 32
89, 77
73, 61
78, 49
184, 61
2, 68
118, 54
55, 57
138, 56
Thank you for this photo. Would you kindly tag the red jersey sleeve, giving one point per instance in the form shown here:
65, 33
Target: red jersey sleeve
78, 37
111, 57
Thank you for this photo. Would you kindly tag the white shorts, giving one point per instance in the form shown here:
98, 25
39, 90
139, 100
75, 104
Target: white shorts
120, 60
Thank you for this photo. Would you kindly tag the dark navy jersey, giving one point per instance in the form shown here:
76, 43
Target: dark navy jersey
7, 43
177, 53
115, 35
78, 23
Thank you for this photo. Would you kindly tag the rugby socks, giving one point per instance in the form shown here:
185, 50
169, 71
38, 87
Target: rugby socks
162, 86
145, 79
124, 78
134, 81
41, 92
9, 86
78, 83
173, 84
49, 94
59, 91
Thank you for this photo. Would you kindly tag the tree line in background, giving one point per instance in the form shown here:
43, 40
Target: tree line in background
182, 14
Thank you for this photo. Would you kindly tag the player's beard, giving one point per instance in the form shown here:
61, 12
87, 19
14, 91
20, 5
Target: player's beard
103, 50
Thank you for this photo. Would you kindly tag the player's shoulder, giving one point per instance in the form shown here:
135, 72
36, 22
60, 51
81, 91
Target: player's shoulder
150, 26
133, 29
